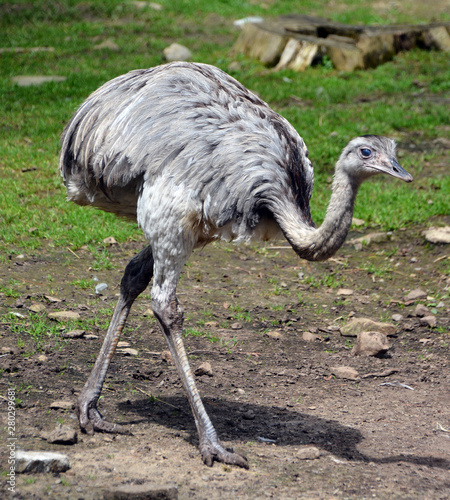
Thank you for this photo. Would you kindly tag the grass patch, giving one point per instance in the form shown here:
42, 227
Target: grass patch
399, 99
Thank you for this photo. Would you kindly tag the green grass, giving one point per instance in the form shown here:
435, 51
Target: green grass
399, 99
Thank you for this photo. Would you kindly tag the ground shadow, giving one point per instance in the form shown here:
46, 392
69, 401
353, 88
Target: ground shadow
271, 424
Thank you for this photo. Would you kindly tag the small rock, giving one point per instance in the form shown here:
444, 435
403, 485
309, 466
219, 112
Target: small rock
146, 491
37, 308
177, 52
421, 311
123, 343
64, 315
308, 453
428, 321
425, 341
345, 372
240, 391
368, 239
249, 415
438, 234
357, 222
416, 294
62, 405
166, 356
91, 336
110, 241
358, 325
236, 326
41, 461
309, 337
100, 288
74, 334
52, 300
148, 313
345, 291
128, 351
397, 317
274, 334
204, 369
42, 358
370, 344
28, 81
62, 434
107, 44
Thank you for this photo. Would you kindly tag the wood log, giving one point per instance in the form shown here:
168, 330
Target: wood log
295, 41
297, 55
261, 42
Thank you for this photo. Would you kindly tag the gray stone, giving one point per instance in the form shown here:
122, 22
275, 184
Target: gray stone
345, 372
274, 334
166, 356
110, 240
368, 239
37, 308
177, 52
421, 311
308, 453
146, 491
429, 320
438, 234
62, 434
128, 351
358, 325
28, 81
397, 317
64, 315
345, 292
74, 334
370, 344
310, 337
40, 461
416, 294
204, 369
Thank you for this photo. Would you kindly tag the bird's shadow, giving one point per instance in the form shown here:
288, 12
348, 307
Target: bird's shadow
259, 423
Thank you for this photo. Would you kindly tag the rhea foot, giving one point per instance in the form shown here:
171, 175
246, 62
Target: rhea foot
92, 420
215, 452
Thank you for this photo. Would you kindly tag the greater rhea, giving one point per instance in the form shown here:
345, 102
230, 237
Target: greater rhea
194, 156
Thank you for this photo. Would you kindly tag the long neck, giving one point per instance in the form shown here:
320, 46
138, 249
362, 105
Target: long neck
321, 243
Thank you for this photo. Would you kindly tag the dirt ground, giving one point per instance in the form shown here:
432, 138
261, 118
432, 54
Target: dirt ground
272, 393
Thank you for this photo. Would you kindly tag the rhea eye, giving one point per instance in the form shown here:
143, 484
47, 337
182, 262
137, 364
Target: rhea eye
366, 152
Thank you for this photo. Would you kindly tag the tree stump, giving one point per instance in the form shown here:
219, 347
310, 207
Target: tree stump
297, 41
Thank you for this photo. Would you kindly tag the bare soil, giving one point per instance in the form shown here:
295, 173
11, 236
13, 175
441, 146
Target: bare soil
271, 394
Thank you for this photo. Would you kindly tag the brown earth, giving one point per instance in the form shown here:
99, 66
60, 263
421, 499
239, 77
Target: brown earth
271, 394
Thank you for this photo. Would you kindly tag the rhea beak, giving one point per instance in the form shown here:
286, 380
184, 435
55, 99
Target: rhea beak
389, 165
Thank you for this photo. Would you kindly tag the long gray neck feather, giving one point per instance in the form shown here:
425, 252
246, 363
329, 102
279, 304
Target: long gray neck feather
321, 243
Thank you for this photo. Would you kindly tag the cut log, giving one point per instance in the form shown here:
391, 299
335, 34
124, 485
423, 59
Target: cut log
261, 43
296, 41
297, 55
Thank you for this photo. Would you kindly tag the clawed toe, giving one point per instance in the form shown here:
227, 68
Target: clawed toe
215, 452
95, 422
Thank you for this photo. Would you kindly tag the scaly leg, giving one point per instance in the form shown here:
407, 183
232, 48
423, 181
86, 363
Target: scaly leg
136, 278
170, 317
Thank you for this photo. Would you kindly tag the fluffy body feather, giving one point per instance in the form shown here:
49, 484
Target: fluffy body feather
193, 134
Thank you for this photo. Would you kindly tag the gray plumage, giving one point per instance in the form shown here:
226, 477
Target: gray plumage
193, 156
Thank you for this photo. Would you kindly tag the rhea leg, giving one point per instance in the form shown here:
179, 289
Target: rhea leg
170, 317
135, 280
